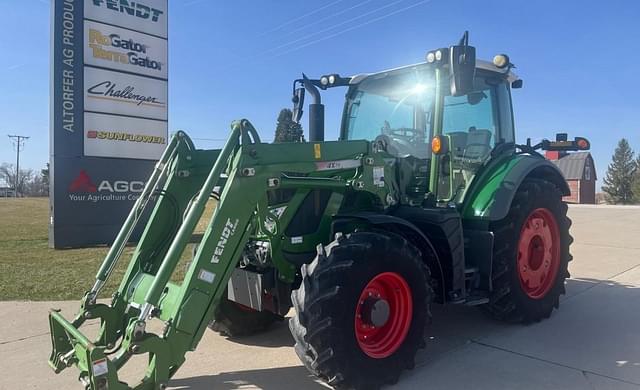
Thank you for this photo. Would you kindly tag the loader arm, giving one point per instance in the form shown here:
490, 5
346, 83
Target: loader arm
181, 187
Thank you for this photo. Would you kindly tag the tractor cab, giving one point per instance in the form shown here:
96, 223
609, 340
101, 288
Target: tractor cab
439, 133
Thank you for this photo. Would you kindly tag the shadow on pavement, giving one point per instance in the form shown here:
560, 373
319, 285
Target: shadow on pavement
268, 379
277, 336
571, 337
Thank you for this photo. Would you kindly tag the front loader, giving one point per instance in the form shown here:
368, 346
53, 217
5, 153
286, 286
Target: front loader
425, 198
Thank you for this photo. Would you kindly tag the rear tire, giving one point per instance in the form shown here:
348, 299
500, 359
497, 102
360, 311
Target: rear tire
234, 320
531, 255
340, 336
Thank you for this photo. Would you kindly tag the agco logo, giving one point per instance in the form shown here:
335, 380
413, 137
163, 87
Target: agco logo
134, 52
132, 8
82, 188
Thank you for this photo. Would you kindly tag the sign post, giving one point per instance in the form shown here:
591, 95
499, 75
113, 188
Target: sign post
109, 84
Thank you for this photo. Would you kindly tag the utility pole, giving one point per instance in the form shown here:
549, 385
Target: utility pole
18, 141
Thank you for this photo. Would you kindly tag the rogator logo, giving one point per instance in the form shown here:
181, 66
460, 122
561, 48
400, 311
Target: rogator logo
132, 8
125, 137
117, 49
109, 90
83, 189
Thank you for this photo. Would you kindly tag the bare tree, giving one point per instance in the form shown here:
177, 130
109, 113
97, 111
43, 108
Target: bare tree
8, 174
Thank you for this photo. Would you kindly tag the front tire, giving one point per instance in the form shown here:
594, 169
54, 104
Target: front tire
361, 310
531, 255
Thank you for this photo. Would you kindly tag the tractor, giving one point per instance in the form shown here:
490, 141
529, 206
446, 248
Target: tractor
426, 198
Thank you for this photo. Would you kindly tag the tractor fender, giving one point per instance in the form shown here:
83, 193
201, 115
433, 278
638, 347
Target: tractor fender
491, 195
398, 225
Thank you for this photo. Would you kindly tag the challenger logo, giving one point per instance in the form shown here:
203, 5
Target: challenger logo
227, 232
125, 137
109, 90
116, 49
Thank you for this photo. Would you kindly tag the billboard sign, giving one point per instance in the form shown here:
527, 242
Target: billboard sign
148, 16
109, 85
125, 50
124, 94
122, 137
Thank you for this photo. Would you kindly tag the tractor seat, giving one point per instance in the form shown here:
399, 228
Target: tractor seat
478, 146
458, 143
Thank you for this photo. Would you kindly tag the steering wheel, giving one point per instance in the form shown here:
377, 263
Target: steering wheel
405, 132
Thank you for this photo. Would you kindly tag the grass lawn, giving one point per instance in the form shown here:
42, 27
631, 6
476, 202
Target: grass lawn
30, 270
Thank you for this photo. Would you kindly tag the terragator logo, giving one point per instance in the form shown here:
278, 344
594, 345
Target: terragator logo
132, 8
134, 53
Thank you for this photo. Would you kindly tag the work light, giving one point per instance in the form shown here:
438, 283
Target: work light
501, 61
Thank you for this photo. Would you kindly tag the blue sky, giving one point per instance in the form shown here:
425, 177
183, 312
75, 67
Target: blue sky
236, 59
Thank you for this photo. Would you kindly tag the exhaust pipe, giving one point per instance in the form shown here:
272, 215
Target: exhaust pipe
316, 112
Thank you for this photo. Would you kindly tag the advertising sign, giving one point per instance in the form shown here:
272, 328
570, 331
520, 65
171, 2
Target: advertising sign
122, 137
148, 16
108, 113
125, 94
125, 50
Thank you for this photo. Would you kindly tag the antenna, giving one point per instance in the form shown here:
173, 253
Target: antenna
464, 41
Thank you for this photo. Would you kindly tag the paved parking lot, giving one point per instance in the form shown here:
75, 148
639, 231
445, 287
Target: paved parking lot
592, 342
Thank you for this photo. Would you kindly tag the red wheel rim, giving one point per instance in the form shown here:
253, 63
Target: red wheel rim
538, 253
383, 340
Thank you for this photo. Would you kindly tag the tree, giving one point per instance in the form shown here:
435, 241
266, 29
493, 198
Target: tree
44, 174
8, 174
635, 188
286, 129
618, 182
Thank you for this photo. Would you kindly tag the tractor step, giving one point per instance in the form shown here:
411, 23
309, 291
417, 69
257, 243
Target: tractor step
476, 298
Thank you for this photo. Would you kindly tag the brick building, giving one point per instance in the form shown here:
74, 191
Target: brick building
580, 173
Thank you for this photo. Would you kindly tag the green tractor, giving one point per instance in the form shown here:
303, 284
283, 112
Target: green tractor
425, 198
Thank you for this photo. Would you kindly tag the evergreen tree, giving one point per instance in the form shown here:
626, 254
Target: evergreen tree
286, 129
618, 182
636, 180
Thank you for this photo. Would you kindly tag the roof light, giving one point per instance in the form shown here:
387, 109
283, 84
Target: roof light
431, 57
324, 80
501, 61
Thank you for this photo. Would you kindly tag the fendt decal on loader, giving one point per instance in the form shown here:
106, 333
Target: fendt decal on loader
425, 198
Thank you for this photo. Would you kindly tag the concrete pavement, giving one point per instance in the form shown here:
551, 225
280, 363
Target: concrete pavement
592, 342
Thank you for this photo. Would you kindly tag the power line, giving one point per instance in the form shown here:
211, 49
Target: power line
18, 142
351, 28
279, 27
342, 11
332, 27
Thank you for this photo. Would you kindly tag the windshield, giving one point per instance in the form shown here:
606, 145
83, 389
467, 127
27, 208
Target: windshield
394, 108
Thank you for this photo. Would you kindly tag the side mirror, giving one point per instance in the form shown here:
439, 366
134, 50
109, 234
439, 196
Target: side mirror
298, 104
462, 62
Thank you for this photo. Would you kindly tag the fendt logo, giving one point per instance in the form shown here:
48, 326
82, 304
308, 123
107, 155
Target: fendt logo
132, 8
83, 189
